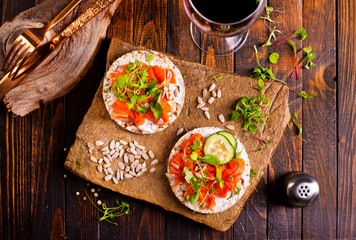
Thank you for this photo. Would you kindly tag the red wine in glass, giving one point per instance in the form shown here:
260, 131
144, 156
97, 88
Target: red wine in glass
221, 27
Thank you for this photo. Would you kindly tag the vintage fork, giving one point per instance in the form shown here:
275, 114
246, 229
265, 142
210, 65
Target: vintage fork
27, 41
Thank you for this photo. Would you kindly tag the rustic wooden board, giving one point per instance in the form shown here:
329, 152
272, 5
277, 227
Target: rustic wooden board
97, 125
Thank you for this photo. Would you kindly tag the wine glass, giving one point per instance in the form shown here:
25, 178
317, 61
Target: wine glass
220, 28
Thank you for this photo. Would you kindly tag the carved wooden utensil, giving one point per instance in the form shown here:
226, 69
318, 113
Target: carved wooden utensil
64, 67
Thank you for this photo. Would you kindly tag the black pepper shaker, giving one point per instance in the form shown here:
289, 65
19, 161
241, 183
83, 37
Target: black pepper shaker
299, 189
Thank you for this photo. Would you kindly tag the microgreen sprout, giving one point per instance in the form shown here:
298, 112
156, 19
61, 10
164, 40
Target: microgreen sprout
271, 35
303, 94
263, 73
262, 143
273, 58
269, 11
293, 118
218, 78
253, 174
308, 57
300, 33
110, 213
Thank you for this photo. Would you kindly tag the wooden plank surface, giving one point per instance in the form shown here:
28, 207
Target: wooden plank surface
37, 202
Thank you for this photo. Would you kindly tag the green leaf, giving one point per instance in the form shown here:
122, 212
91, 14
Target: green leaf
194, 156
303, 94
235, 115
252, 128
307, 50
291, 43
253, 173
194, 198
189, 177
149, 59
301, 33
195, 146
218, 173
273, 58
293, 116
196, 186
156, 109
300, 129
211, 159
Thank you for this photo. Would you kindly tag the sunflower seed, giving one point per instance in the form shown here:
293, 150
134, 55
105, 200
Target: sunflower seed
108, 177
112, 152
132, 146
135, 163
117, 145
99, 143
213, 93
179, 132
221, 118
115, 155
218, 93
128, 150
105, 153
123, 142
176, 93
93, 159
121, 165
128, 175
200, 100
106, 172
106, 165
169, 74
175, 165
121, 153
132, 173
122, 175
198, 175
154, 162
137, 156
133, 151
211, 100
100, 168
151, 154
196, 168
127, 168
183, 187
170, 176
144, 170
136, 143
90, 146
230, 127
211, 88
106, 160
200, 105
145, 156
126, 158
139, 173
152, 170
112, 144
226, 146
207, 115
131, 158
132, 167
109, 157
160, 121
205, 109
90, 151
118, 175
114, 179
110, 171
100, 161
205, 92
141, 147
138, 168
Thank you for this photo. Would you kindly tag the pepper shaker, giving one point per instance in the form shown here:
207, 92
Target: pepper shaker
299, 189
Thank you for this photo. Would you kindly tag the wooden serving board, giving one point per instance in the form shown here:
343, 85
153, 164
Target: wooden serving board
154, 187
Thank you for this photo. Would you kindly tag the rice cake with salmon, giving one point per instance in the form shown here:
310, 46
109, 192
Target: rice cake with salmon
143, 92
200, 180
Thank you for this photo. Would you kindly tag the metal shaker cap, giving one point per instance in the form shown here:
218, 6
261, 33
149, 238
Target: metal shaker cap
299, 189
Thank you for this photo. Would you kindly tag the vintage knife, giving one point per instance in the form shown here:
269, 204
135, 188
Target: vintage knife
27, 65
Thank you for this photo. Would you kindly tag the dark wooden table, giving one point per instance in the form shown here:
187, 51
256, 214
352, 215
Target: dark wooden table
38, 202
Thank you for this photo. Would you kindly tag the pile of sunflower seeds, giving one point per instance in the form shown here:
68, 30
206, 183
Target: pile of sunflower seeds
121, 160
210, 99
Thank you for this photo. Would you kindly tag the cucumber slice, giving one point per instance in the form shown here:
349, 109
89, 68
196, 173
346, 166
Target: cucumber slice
230, 137
219, 146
